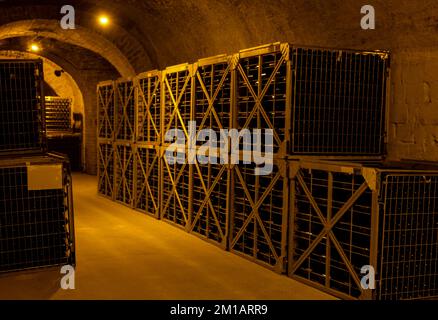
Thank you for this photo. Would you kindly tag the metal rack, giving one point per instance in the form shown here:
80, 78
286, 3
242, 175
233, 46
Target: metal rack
124, 110
147, 179
210, 201
123, 173
177, 98
263, 92
58, 114
36, 213
105, 169
22, 120
106, 110
148, 102
259, 213
212, 93
319, 103
344, 216
338, 102
409, 238
176, 190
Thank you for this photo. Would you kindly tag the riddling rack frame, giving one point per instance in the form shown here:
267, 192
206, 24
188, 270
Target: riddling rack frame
147, 171
36, 222
124, 110
176, 190
22, 117
212, 94
124, 173
211, 199
106, 110
105, 168
262, 89
344, 216
177, 99
148, 108
258, 214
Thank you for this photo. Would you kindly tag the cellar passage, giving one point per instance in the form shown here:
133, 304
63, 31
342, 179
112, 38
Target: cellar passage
86, 104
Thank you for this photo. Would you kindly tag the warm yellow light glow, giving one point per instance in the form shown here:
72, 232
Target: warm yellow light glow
34, 47
103, 20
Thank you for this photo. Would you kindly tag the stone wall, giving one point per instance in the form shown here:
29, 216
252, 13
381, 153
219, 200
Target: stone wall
413, 128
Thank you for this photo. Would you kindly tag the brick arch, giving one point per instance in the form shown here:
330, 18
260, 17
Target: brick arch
64, 86
81, 37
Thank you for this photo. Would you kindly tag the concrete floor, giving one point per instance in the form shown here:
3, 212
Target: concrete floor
123, 254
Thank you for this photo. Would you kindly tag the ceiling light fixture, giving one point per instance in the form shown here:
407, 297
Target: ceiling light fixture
34, 47
103, 20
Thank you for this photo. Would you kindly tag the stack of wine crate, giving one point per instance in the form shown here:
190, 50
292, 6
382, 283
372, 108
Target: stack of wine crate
61, 134
327, 206
36, 210
58, 114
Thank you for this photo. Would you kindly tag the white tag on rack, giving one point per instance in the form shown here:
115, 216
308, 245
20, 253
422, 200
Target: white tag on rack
44, 177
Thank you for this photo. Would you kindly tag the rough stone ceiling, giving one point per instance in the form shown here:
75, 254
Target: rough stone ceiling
151, 34
79, 58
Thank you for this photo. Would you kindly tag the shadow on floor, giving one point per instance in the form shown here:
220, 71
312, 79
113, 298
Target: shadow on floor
37, 284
